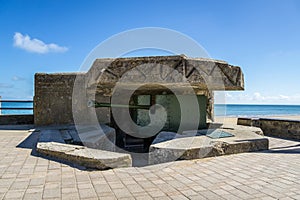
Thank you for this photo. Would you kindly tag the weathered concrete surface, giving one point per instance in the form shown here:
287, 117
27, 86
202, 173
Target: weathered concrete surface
70, 136
92, 158
246, 121
53, 98
201, 73
53, 92
91, 137
104, 139
52, 142
171, 146
75, 137
67, 137
16, 119
282, 128
152, 75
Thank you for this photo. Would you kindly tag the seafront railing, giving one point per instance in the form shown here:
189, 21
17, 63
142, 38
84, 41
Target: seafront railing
14, 107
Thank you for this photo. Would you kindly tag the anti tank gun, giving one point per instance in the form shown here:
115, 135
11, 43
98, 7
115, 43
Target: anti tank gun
95, 104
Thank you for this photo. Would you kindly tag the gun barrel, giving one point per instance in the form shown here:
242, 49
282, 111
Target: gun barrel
109, 105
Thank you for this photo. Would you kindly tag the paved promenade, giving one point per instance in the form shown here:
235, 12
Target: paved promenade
273, 174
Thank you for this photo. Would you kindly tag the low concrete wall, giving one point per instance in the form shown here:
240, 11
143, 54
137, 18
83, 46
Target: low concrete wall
282, 128
288, 129
244, 121
16, 119
53, 98
248, 121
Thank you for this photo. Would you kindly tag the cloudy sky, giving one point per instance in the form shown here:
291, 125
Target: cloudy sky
261, 36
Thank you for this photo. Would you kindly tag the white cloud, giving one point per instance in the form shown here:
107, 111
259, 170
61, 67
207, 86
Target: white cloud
257, 98
227, 95
283, 97
4, 85
17, 78
35, 45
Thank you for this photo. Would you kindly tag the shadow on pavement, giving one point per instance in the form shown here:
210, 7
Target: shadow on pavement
16, 127
30, 143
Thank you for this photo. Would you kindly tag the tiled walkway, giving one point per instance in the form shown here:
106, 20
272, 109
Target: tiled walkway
274, 174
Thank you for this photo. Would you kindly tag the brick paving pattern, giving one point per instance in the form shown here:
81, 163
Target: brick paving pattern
273, 174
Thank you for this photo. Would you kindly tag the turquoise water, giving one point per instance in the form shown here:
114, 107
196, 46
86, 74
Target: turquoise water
256, 110
220, 110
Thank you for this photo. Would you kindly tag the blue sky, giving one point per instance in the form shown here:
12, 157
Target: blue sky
261, 36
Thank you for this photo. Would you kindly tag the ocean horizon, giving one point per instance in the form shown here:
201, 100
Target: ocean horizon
255, 110
16, 105
228, 110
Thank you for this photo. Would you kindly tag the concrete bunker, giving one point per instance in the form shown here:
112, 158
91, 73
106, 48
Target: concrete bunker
129, 89
63, 98
161, 105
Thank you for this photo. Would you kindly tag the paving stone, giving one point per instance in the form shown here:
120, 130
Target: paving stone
87, 193
51, 193
262, 175
70, 196
14, 194
32, 196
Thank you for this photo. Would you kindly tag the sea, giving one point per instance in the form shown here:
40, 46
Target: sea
236, 110
16, 105
229, 110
